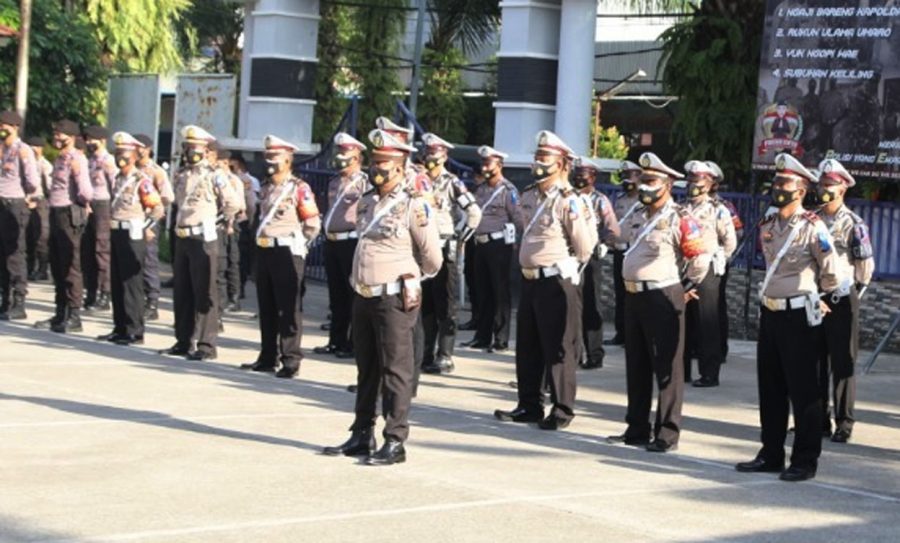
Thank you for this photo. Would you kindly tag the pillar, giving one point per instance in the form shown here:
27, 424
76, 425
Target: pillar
575, 79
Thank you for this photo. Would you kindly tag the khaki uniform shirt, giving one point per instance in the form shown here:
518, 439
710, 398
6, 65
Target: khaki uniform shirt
103, 171
160, 180
674, 244
18, 170
854, 258
808, 265
201, 195
716, 227
344, 194
448, 190
295, 209
71, 181
503, 209
560, 227
251, 197
607, 222
135, 197
625, 203
402, 241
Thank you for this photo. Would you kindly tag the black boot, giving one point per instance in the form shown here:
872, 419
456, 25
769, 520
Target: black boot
16, 311
233, 306
361, 443
55, 320
71, 323
151, 310
88, 302
102, 302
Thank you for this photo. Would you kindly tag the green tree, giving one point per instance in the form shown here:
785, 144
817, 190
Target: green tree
210, 31
332, 76
441, 106
67, 79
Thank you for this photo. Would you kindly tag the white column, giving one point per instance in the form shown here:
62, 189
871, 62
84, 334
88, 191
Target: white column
575, 79
246, 67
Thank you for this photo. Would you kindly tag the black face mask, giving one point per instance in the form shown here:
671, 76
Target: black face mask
827, 196
122, 160
628, 186
432, 162
273, 167
696, 191
541, 171
650, 196
194, 156
92, 148
60, 143
4, 134
341, 163
581, 181
487, 172
379, 176
781, 197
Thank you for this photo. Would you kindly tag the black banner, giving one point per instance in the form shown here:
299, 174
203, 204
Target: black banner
829, 85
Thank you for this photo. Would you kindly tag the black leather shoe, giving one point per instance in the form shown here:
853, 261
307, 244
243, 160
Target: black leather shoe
176, 350
48, 323
706, 382
553, 422
258, 366
111, 337
72, 323
660, 446
615, 340
325, 349
591, 364
392, 452
325, 327
361, 443
344, 355
201, 355
468, 326
634, 441
129, 339
795, 474
352, 388
841, 435
759, 465
519, 414
476, 344
287, 372
826, 433
16, 311
442, 364
499, 347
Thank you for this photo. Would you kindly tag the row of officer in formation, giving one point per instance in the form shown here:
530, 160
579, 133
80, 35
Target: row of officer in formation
393, 238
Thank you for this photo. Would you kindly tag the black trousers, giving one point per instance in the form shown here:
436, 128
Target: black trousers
13, 268
37, 236
492, 261
247, 249
702, 329
151, 266
591, 318
66, 227
228, 278
278, 291
383, 336
194, 300
126, 274
469, 275
439, 300
95, 250
837, 360
653, 349
787, 369
723, 314
619, 289
547, 327
338, 266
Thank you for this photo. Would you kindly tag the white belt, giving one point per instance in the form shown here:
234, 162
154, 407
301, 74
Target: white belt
641, 286
484, 238
188, 231
782, 304
621, 246
538, 273
120, 225
266, 242
341, 236
374, 291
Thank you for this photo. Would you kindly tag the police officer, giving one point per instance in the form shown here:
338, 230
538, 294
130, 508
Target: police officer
18, 180
718, 177
398, 245
70, 199
661, 236
800, 262
246, 221
201, 195
38, 219
440, 294
702, 324
229, 275
557, 239
289, 222
626, 204
855, 264
584, 180
95, 240
163, 186
494, 238
469, 267
344, 191
135, 209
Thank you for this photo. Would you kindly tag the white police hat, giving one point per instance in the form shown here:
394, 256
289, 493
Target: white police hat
274, 143
193, 134
835, 170
587, 162
383, 123
549, 142
387, 144
486, 151
652, 165
717, 171
698, 167
629, 166
124, 140
345, 142
787, 165
433, 140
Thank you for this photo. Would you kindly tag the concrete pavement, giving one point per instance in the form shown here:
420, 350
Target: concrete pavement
105, 443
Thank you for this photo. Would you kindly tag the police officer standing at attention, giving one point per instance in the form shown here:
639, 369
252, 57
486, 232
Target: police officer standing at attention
855, 264
18, 180
557, 239
289, 222
494, 238
163, 186
344, 191
70, 200
201, 195
39, 218
626, 204
718, 177
440, 294
661, 269
95, 240
398, 245
800, 262
702, 326
584, 179
135, 208
228, 278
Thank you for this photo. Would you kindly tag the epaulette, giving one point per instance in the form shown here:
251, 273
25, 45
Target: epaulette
856, 218
529, 187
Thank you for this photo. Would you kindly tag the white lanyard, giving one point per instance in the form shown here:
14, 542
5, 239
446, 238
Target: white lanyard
494, 195
665, 212
783, 251
284, 192
128, 182
335, 204
381, 213
537, 214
